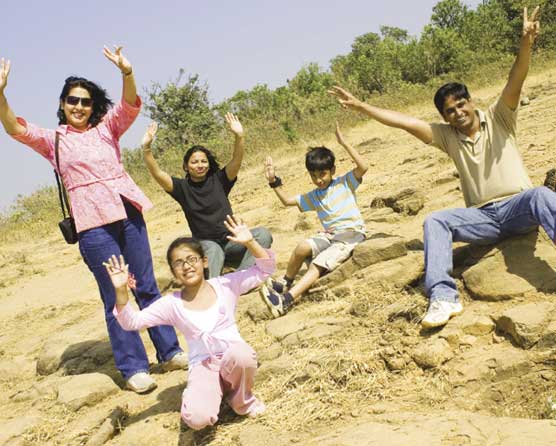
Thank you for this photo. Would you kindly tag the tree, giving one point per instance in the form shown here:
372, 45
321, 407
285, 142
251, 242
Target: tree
183, 111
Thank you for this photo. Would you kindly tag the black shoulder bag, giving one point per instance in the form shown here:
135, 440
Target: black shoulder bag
67, 225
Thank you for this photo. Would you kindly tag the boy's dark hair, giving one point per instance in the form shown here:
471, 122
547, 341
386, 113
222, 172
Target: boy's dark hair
191, 243
319, 158
101, 101
454, 89
213, 164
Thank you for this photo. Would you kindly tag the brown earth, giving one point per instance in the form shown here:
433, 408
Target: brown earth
350, 365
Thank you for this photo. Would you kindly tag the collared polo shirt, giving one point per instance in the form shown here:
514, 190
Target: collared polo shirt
490, 165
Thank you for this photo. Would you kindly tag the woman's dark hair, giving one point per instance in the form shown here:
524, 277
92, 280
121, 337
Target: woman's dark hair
101, 101
189, 242
213, 164
319, 158
454, 89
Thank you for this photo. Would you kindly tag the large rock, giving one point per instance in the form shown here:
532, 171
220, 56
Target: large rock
440, 429
520, 265
432, 353
525, 324
85, 390
398, 272
377, 250
408, 201
72, 354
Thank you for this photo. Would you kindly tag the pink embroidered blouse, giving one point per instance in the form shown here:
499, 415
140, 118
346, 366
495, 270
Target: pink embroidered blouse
91, 165
203, 345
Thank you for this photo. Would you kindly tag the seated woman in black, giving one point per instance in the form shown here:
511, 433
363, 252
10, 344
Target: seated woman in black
203, 196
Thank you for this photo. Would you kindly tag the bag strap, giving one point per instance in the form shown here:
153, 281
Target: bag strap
61, 189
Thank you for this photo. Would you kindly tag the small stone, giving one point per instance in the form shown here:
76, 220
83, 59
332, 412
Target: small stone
433, 353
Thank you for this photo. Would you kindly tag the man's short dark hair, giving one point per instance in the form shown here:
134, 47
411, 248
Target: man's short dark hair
319, 158
454, 89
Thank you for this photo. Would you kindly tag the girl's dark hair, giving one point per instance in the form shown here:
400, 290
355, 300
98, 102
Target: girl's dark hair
191, 243
213, 164
319, 158
101, 101
454, 89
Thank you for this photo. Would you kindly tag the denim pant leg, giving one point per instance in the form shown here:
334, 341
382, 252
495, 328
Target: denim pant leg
137, 253
237, 254
453, 225
528, 209
96, 246
215, 255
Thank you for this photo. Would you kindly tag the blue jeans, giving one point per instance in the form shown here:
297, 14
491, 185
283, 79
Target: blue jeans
230, 253
129, 238
489, 224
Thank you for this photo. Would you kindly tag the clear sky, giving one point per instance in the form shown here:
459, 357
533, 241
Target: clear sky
231, 45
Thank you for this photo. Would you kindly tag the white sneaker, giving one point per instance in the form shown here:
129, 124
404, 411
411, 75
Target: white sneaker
440, 312
177, 362
141, 383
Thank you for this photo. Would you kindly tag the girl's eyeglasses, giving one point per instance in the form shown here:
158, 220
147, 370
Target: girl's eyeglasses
74, 100
191, 261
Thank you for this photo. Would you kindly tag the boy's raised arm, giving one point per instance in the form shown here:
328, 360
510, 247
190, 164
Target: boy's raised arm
276, 183
360, 163
518, 73
416, 127
156, 172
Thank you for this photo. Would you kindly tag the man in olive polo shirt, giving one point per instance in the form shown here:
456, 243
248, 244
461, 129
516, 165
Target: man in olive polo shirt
498, 193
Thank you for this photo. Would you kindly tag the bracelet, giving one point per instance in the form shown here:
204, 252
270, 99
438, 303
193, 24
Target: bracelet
276, 183
128, 74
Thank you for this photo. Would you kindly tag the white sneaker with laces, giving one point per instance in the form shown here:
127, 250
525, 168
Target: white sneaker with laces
440, 312
177, 362
141, 382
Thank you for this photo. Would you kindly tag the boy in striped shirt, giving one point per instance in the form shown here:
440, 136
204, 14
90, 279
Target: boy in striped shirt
334, 201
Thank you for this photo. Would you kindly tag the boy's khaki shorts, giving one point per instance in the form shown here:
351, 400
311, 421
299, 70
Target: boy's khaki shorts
330, 250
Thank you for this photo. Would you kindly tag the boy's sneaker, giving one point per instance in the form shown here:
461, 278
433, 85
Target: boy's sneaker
279, 286
141, 382
440, 312
277, 303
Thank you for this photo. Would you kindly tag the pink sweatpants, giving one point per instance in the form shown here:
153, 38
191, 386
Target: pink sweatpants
205, 388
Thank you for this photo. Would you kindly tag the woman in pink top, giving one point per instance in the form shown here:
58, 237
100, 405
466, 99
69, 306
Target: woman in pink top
220, 361
106, 204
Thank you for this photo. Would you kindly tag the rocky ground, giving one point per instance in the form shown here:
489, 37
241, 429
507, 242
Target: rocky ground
348, 366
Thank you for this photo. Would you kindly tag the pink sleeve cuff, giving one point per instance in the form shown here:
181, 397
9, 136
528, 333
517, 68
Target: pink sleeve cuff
267, 266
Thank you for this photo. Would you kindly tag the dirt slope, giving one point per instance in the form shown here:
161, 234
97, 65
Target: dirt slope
345, 358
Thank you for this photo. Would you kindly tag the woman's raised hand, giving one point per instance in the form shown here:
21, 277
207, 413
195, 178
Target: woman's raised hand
233, 124
118, 59
118, 271
148, 137
239, 230
269, 172
4, 72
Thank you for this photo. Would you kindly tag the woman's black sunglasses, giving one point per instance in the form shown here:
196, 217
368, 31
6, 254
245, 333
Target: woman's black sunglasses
74, 100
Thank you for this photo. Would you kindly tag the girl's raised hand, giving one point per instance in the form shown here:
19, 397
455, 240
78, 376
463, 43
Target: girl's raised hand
240, 232
118, 59
269, 172
233, 124
4, 72
149, 135
117, 270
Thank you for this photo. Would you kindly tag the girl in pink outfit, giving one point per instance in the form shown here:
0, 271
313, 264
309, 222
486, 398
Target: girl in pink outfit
220, 361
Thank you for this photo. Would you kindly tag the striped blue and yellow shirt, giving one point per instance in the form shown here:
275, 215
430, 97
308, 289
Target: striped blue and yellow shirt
335, 206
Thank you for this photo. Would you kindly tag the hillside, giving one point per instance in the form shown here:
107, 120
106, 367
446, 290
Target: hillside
350, 365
